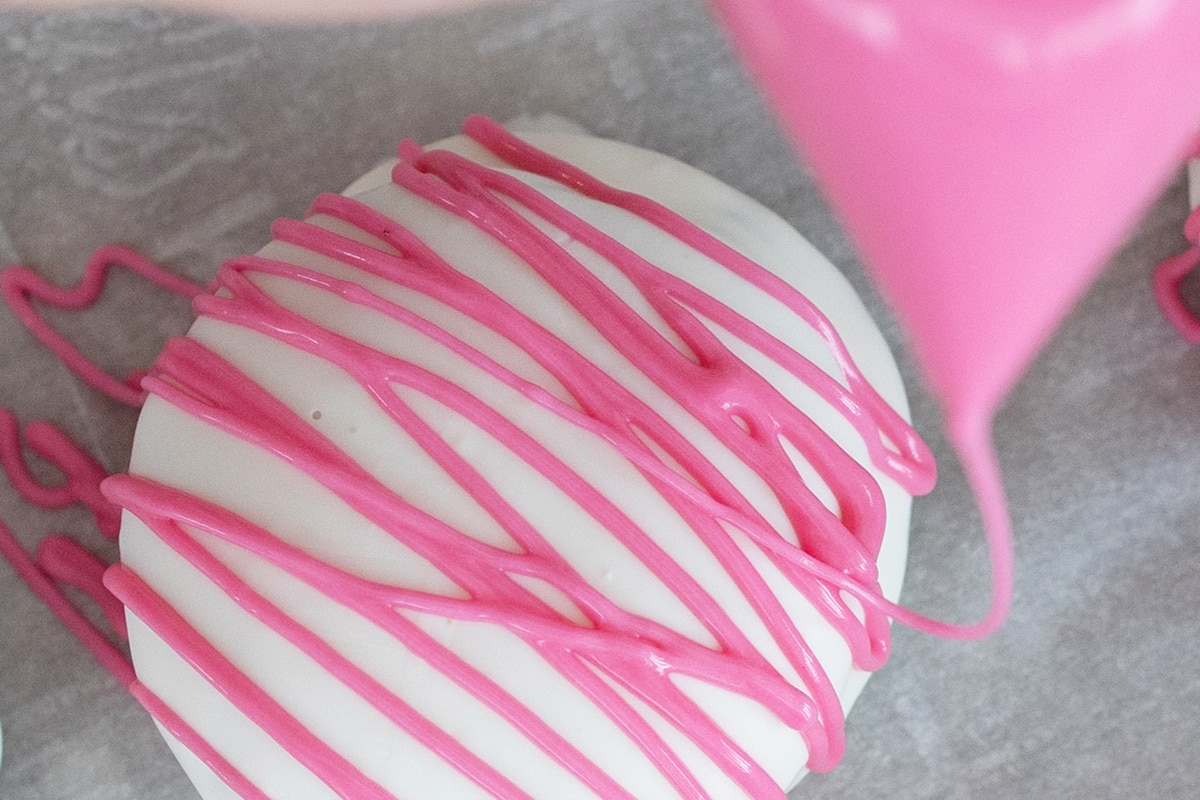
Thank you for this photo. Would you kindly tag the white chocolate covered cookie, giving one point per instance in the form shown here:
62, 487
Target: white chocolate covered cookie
538, 467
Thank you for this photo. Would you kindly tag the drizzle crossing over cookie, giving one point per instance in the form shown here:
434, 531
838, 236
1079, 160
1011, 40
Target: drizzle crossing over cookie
532, 466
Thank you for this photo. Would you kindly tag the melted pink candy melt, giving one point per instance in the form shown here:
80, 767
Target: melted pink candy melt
59, 560
1169, 276
20, 287
837, 555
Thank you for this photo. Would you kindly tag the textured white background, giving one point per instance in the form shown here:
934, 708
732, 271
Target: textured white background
186, 136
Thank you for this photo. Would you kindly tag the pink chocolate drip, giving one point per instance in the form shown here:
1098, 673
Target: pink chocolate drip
835, 556
1169, 275
20, 286
643, 657
60, 560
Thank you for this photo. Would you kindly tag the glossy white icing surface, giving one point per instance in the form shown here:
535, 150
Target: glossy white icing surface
177, 449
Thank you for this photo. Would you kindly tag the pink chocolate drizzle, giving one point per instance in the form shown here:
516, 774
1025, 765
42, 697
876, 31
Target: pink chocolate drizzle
1170, 274
20, 287
835, 557
60, 560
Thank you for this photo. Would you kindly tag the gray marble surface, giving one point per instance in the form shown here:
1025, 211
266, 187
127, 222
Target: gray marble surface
186, 136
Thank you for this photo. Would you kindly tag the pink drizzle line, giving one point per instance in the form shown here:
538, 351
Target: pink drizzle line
61, 561
736, 405
836, 556
1168, 277
20, 286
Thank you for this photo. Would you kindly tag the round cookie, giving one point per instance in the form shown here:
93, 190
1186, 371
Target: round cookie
495, 477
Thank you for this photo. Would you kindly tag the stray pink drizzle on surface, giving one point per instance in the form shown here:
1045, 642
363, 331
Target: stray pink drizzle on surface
1168, 276
60, 560
837, 553
20, 287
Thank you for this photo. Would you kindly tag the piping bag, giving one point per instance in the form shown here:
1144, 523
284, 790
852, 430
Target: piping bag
985, 157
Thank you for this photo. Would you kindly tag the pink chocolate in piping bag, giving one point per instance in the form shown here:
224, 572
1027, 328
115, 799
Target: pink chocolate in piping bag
985, 156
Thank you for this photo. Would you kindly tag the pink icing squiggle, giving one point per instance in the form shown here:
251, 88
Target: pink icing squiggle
734, 403
830, 560
82, 473
20, 286
596, 393
185, 733
704, 387
1168, 277
160, 506
183, 360
70, 563
59, 560
256, 417
911, 465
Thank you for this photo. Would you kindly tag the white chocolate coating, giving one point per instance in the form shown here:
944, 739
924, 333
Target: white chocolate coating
176, 449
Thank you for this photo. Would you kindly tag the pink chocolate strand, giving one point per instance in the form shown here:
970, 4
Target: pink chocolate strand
1167, 279
869, 652
187, 735
912, 465
45, 587
835, 554
82, 473
332, 768
280, 435
258, 314
59, 560
20, 287
719, 390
